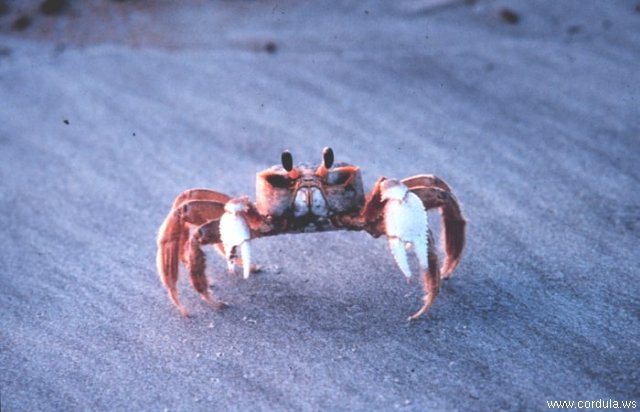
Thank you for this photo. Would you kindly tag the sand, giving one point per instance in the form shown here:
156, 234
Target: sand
111, 109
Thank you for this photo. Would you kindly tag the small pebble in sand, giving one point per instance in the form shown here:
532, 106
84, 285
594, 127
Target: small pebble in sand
52, 7
21, 23
574, 29
509, 16
270, 47
4, 9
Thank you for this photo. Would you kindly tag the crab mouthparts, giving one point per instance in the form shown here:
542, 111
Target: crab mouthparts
310, 201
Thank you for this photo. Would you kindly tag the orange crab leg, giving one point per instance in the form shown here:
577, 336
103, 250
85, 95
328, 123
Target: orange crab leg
453, 223
172, 241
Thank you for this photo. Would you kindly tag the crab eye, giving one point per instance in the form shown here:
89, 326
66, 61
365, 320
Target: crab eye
338, 177
278, 181
327, 157
287, 160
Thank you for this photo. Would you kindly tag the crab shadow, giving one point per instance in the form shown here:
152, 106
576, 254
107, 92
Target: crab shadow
342, 307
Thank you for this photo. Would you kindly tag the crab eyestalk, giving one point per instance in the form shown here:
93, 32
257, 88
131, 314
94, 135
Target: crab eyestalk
327, 157
287, 164
287, 160
327, 162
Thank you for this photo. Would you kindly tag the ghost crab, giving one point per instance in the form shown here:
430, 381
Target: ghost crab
304, 198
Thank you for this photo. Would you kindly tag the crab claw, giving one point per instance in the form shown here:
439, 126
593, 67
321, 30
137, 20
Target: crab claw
405, 221
235, 233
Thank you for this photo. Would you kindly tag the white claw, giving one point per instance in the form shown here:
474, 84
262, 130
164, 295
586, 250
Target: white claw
420, 248
400, 255
245, 249
405, 223
231, 264
234, 232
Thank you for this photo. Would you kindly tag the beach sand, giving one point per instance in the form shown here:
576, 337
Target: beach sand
111, 109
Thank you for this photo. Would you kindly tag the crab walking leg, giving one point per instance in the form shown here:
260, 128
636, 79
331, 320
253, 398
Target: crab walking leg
200, 194
435, 193
235, 233
173, 239
430, 273
426, 181
216, 198
196, 264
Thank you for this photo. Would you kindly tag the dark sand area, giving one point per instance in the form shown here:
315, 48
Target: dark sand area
529, 110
